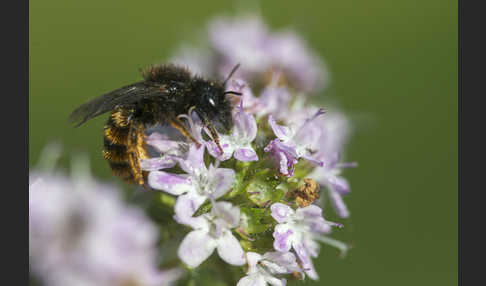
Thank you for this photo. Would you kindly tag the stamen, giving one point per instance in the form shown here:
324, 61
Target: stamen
319, 112
189, 120
348, 165
216, 163
343, 247
338, 225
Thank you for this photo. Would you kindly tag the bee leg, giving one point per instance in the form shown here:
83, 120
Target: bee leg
179, 125
137, 151
214, 135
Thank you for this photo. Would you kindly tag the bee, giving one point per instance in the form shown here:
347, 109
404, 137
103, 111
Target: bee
165, 92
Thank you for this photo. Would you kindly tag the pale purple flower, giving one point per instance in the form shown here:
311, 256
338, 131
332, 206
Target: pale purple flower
170, 148
274, 99
169, 151
238, 143
242, 40
285, 155
250, 103
247, 40
198, 184
337, 186
294, 142
211, 231
81, 233
262, 269
335, 133
301, 65
300, 230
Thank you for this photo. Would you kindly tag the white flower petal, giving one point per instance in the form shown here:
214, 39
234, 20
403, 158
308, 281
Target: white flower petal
186, 205
195, 160
245, 126
246, 154
281, 262
305, 260
225, 144
309, 212
339, 184
280, 212
252, 258
252, 280
221, 181
170, 183
310, 131
158, 163
275, 281
338, 203
196, 247
283, 236
162, 144
284, 133
228, 212
229, 249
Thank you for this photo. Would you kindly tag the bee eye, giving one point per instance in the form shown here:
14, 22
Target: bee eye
211, 101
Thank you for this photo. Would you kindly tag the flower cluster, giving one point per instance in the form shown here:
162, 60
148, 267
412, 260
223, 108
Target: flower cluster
256, 200
249, 41
82, 233
251, 206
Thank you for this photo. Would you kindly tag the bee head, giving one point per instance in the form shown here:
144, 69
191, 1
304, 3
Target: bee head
212, 104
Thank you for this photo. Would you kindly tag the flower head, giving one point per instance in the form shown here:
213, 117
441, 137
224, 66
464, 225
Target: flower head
211, 231
199, 183
299, 230
336, 185
238, 143
248, 100
262, 269
252, 37
271, 122
335, 132
263, 51
171, 148
294, 142
81, 233
274, 99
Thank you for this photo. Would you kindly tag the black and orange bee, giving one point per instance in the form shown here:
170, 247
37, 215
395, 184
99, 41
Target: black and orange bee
166, 92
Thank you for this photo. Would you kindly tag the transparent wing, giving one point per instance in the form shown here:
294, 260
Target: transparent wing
107, 102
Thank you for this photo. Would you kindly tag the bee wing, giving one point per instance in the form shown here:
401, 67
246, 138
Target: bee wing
107, 102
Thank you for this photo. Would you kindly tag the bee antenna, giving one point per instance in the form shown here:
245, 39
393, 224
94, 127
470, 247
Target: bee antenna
233, 92
231, 73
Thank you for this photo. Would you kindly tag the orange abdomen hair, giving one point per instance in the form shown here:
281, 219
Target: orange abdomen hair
124, 147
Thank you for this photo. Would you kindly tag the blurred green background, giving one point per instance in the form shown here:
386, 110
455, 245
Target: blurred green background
394, 71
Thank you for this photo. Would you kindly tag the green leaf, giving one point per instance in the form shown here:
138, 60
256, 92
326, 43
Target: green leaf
263, 190
261, 243
204, 208
167, 200
251, 220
